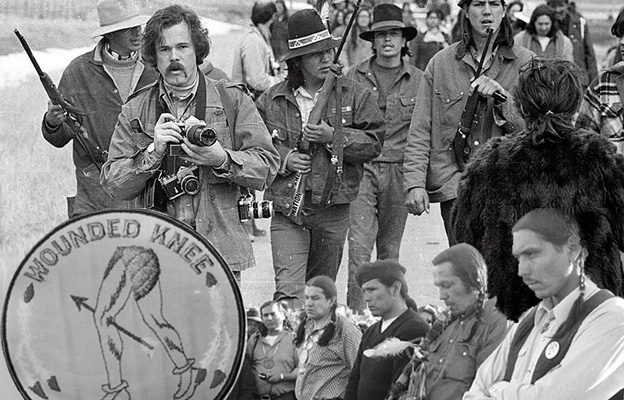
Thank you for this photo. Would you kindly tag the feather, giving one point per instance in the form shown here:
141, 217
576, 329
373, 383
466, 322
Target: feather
389, 348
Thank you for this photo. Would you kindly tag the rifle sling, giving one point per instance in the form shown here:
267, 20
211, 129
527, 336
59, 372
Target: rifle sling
334, 174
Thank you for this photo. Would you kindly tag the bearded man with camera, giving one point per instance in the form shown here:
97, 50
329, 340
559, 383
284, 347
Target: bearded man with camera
186, 145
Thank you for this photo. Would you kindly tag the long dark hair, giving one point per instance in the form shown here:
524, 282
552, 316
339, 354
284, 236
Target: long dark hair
548, 94
327, 285
166, 18
540, 10
389, 281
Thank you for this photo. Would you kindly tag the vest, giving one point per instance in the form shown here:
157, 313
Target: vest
564, 338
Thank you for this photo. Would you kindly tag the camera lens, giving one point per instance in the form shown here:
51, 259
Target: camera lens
262, 209
201, 135
190, 184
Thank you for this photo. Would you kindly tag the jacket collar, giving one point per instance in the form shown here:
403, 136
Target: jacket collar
365, 66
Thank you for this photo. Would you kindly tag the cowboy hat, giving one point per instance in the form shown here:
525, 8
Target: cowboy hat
387, 17
307, 34
116, 15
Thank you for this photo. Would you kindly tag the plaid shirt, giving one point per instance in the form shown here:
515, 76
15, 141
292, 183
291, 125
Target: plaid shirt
601, 110
324, 370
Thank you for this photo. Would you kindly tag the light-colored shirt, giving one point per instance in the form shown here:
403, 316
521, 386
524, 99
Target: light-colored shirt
324, 370
593, 367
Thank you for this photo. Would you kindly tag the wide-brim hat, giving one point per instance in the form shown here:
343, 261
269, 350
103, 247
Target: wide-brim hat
253, 314
116, 15
387, 17
307, 34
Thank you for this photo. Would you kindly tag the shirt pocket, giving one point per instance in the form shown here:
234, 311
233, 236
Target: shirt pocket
461, 365
449, 107
406, 110
281, 135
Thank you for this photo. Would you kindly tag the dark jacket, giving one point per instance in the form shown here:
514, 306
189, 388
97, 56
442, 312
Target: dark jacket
245, 384
581, 175
86, 85
575, 27
363, 134
371, 378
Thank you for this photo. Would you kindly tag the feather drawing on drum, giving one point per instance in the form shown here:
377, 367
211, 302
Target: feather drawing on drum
123, 305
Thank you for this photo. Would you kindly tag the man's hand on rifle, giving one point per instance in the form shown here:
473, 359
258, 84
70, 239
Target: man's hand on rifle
55, 115
486, 86
321, 133
298, 162
417, 201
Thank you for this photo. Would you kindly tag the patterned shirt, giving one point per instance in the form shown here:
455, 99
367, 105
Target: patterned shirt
601, 110
324, 370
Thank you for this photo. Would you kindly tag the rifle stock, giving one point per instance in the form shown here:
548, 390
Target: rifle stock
95, 152
316, 115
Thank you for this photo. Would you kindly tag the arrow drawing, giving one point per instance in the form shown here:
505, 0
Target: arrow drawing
82, 302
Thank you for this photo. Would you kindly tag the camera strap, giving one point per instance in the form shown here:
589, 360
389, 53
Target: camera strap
171, 164
230, 112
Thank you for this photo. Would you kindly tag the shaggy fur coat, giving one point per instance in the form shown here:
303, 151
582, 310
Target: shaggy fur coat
579, 173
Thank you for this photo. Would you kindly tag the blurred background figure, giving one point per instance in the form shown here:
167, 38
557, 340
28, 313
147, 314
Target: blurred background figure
357, 49
408, 15
253, 321
575, 26
279, 31
543, 37
513, 12
273, 356
601, 110
430, 41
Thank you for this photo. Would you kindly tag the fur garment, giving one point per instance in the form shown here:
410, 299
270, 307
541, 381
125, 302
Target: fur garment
579, 172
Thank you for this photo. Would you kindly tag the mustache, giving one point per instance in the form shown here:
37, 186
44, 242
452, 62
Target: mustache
174, 67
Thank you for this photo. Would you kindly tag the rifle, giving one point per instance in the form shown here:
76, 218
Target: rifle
469, 115
74, 115
316, 115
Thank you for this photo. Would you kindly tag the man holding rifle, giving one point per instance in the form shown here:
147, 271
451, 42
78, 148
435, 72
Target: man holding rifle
432, 169
98, 83
310, 242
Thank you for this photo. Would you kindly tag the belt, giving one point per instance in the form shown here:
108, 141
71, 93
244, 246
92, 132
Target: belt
283, 396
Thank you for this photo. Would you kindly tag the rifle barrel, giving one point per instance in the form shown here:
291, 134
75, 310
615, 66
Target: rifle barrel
29, 52
347, 30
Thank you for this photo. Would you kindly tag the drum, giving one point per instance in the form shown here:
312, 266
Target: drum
127, 304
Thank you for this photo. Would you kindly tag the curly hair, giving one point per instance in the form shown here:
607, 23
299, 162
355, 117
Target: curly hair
168, 17
548, 94
539, 11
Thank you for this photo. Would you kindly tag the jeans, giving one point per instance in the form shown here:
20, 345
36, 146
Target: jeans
445, 209
378, 218
301, 252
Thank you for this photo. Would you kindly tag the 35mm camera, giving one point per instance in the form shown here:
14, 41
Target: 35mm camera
197, 133
248, 208
186, 181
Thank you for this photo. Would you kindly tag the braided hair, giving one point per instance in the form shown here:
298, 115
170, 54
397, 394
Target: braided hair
327, 285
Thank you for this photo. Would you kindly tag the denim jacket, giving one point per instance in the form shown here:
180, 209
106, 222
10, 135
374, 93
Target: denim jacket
86, 85
363, 140
254, 163
442, 95
399, 106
